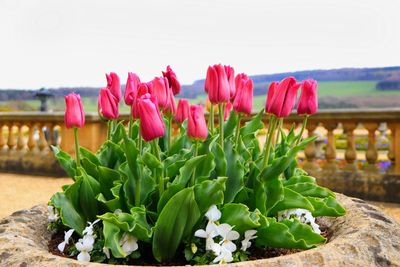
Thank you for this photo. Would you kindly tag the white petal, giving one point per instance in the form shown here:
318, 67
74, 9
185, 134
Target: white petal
79, 245
223, 229
61, 246
212, 229
216, 248
68, 234
249, 233
200, 233
129, 247
232, 235
84, 256
107, 252
213, 214
210, 243
245, 244
229, 245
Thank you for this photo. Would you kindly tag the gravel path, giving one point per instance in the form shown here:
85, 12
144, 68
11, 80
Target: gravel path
24, 191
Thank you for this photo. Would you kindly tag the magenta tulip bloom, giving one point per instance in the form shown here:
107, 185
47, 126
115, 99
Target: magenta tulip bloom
182, 112
284, 97
74, 114
172, 80
217, 84
230, 74
114, 85
271, 91
161, 91
151, 122
108, 104
131, 88
143, 88
243, 102
197, 126
170, 109
308, 101
227, 111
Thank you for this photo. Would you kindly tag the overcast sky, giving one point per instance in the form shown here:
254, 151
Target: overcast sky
70, 43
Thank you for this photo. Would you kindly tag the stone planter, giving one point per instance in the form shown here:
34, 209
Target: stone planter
364, 237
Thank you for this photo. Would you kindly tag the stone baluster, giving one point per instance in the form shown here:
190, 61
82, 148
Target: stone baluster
51, 138
392, 148
11, 140
2, 142
31, 139
330, 152
42, 144
310, 151
351, 154
20, 138
371, 154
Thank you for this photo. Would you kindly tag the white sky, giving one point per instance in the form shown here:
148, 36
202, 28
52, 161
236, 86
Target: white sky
74, 42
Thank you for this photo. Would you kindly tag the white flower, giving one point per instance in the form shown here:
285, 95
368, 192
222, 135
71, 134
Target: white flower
303, 215
128, 243
213, 214
107, 252
89, 229
227, 234
248, 235
67, 236
223, 255
208, 234
53, 215
84, 246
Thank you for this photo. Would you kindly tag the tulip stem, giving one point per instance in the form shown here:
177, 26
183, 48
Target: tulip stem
196, 151
268, 142
303, 126
77, 154
280, 129
109, 123
221, 124
238, 130
169, 139
130, 124
140, 141
211, 119
158, 173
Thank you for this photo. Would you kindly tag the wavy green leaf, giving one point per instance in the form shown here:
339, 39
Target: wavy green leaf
291, 200
311, 190
239, 216
326, 207
66, 161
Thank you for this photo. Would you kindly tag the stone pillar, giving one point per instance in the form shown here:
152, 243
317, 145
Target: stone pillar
351, 154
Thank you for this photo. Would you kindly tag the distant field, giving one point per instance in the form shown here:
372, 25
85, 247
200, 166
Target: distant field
325, 89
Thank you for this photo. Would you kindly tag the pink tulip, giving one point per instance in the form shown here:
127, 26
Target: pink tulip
230, 74
131, 88
308, 101
170, 109
151, 122
243, 102
197, 126
114, 85
172, 80
284, 97
182, 112
217, 84
74, 114
227, 111
161, 91
108, 104
143, 88
271, 91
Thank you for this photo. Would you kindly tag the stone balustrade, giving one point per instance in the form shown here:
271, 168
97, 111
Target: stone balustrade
25, 138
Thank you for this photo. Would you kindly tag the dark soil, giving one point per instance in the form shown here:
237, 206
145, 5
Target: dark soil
147, 257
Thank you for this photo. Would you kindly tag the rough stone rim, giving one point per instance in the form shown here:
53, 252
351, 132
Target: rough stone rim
365, 236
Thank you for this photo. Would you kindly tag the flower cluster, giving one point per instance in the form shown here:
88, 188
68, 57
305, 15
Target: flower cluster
149, 188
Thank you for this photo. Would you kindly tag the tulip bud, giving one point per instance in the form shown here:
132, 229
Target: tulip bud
308, 101
243, 102
172, 80
74, 114
114, 85
182, 112
131, 88
227, 111
143, 88
217, 84
108, 104
230, 74
161, 91
151, 122
197, 126
284, 97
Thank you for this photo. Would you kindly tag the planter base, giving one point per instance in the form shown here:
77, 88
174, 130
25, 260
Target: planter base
365, 236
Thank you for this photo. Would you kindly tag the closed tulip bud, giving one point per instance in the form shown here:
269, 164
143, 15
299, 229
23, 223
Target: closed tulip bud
217, 84
197, 126
151, 122
271, 91
182, 112
308, 101
230, 74
74, 114
108, 104
172, 80
114, 85
284, 97
243, 102
170, 109
131, 88
143, 88
227, 111
161, 91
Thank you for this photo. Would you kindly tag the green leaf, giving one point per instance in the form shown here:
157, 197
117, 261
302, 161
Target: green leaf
89, 155
114, 202
173, 163
311, 190
287, 234
131, 154
186, 171
230, 124
253, 125
204, 169
66, 161
168, 194
210, 192
291, 200
111, 155
239, 216
89, 189
151, 161
112, 236
275, 193
235, 172
299, 179
118, 132
107, 178
219, 155
176, 222
326, 207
